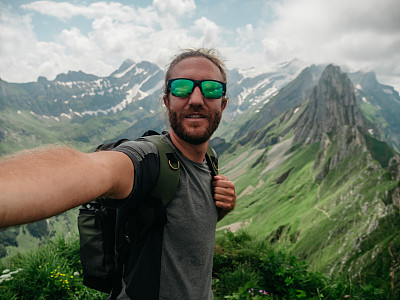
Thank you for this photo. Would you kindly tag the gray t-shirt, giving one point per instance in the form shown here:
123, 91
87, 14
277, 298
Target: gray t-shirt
188, 236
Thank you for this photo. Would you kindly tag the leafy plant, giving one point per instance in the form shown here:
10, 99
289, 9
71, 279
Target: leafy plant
52, 271
245, 268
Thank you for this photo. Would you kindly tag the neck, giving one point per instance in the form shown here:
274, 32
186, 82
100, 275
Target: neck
193, 152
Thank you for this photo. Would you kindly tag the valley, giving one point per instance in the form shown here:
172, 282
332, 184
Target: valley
313, 154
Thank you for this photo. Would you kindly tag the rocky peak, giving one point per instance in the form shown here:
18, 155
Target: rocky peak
75, 76
331, 106
125, 65
292, 95
369, 81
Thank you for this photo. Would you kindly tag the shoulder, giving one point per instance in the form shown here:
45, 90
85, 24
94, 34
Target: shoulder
138, 148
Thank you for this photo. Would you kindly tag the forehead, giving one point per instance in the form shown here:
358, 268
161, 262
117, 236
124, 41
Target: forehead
197, 68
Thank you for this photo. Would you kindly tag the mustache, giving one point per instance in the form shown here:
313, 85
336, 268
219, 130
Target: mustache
195, 110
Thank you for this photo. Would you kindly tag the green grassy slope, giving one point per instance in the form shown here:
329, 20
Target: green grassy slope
342, 221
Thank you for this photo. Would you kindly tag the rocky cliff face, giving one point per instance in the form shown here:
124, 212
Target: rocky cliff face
331, 116
332, 105
292, 95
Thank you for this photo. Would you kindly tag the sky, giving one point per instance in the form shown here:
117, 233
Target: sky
46, 38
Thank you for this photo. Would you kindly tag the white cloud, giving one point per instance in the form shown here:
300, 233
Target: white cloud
246, 34
210, 31
66, 10
362, 34
171, 11
117, 32
175, 8
21, 54
357, 33
62, 10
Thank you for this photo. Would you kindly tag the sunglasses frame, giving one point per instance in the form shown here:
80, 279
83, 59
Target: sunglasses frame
197, 83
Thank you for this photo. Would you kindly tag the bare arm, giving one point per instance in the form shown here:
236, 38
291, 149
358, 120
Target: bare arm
43, 183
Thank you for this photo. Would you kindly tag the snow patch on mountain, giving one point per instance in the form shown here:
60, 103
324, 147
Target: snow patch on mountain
132, 95
137, 71
123, 73
248, 73
66, 116
250, 93
91, 88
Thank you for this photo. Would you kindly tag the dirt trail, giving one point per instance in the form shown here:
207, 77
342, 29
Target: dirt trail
235, 226
394, 265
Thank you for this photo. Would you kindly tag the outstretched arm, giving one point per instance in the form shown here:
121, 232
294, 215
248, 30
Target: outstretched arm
46, 182
224, 195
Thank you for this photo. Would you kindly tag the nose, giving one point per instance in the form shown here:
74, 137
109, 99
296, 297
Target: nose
196, 98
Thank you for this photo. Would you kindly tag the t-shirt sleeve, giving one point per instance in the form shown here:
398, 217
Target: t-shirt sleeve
146, 162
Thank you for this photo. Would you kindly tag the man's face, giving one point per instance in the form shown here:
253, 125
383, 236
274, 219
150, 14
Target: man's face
194, 118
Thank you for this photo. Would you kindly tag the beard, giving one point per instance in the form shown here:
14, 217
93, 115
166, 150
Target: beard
199, 136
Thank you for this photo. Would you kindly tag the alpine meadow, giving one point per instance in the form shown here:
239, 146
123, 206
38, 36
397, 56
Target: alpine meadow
314, 154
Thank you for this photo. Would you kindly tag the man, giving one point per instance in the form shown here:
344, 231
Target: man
175, 261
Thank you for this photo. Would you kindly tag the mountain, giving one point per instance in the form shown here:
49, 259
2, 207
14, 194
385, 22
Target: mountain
316, 182
331, 107
84, 110
312, 152
380, 105
78, 108
291, 95
80, 94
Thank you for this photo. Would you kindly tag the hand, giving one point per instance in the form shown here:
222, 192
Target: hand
224, 195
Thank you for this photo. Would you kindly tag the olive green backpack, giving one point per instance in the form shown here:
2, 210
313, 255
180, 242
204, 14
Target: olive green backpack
102, 266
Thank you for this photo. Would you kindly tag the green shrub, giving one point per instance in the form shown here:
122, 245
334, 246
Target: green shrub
52, 271
248, 269
244, 268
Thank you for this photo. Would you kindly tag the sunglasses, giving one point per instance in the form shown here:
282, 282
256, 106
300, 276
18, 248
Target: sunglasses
183, 87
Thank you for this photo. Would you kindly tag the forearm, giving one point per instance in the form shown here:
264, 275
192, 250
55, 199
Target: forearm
46, 182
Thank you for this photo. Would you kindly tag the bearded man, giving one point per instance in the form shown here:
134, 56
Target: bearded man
175, 260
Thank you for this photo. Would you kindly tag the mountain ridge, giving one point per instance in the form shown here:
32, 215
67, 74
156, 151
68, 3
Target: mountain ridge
332, 104
324, 188
309, 154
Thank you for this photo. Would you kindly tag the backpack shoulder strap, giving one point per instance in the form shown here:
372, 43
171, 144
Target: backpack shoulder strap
212, 161
168, 179
152, 212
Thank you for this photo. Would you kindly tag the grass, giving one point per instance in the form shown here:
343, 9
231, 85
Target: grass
52, 271
64, 223
23, 130
244, 268
329, 221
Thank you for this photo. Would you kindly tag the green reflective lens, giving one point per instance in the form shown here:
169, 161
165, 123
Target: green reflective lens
183, 87
212, 89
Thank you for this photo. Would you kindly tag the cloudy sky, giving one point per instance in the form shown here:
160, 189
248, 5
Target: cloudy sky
45, 38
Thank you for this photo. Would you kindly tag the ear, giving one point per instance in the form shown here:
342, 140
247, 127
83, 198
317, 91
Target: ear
166, 101
223, 103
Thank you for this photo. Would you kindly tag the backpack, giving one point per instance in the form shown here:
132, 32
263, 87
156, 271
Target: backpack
101, 265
